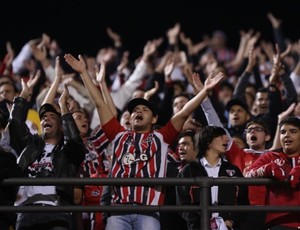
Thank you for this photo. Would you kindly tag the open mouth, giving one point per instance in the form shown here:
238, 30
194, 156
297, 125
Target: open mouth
139, 117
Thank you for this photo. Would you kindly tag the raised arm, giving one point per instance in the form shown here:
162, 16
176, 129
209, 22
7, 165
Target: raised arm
104, 89
103, 110
51, 94
281, 116
179, 118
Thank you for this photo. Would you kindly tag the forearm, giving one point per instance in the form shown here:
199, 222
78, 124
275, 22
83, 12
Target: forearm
51, 94
210, 113
103, 110
179, 118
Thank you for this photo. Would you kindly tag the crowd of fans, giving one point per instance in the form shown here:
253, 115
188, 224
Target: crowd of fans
181, 109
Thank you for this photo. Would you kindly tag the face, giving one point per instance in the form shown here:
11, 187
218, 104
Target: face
249, 99
225, 94
238, 116
186, 149
178, 103
219, 144
51, 125
142, 119
262, 102
251, 90
125, 120
177, 89
256, 137
289, 139
7, 91
82, 123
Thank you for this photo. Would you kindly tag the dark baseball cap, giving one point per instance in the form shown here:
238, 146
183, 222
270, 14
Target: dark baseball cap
48, 108
140, 101
233, 102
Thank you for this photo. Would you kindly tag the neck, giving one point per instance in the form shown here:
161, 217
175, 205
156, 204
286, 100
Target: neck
212, 158
53, 141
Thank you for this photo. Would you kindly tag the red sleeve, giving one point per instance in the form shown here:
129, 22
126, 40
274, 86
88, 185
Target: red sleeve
169, 133
112, 128
236, 156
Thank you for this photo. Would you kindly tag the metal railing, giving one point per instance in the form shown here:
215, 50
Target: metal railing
204, 183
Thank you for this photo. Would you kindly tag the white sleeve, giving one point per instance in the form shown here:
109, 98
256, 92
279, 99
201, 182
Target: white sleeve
296, 81
18, 62
122, 96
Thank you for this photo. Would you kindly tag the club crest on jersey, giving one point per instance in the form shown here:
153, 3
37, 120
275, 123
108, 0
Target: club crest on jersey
129, 158
279, 162
230, 172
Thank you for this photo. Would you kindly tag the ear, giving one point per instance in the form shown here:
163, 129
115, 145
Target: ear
267, 137
248, 117
154, 119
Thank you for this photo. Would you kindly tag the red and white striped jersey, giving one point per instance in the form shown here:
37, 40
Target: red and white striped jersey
139, 155
96, 160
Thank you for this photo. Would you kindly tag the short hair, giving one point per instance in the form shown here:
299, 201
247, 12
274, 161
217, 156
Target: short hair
192, 134
226, 84
262, 90
290, 120
183, 94
207, 135
260, 121
10, 83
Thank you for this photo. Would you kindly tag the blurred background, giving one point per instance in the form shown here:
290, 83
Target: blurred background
80, 26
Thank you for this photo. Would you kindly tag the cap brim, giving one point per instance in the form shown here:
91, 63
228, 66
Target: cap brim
233, 102
48, 108
140, 101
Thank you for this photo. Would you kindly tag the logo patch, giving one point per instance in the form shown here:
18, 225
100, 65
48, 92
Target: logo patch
230, 172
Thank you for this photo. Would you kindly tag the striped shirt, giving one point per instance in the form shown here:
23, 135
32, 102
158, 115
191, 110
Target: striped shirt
139, 155
96, 159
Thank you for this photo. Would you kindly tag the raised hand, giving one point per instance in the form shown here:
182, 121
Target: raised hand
26, 92
114, 36
77, 65
252, 61
197, 83
212, 80
149, 93
274, 21
63, 100
101, 73
33, 79
10, 55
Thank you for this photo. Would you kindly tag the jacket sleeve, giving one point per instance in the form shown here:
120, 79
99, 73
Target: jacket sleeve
18, 130
242, 199
258, 168
184, 196
75, 148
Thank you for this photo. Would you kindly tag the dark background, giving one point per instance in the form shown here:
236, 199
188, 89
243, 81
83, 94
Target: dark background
80, 26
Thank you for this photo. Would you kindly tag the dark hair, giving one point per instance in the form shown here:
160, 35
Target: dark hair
291, 120
191, 134
260, 121
262, 90
207, 135
183, 94
226, 84
10, 83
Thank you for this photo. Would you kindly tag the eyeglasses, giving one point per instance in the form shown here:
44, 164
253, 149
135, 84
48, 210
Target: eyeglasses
256, 129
